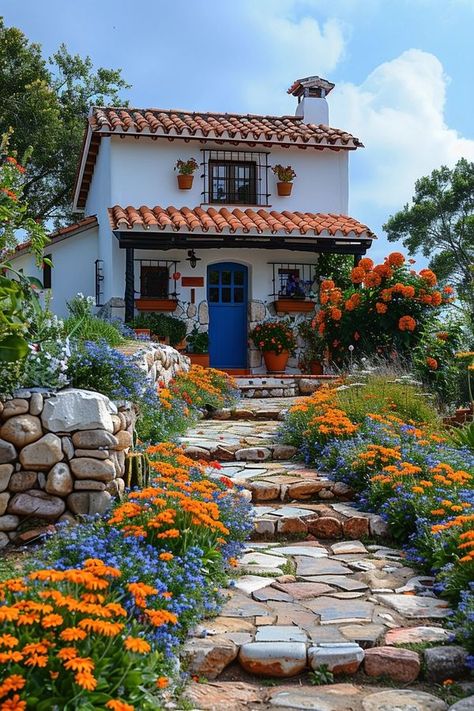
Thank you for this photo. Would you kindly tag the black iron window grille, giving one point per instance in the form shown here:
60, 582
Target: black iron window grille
235, 177
294, 281
99, 278
158, 278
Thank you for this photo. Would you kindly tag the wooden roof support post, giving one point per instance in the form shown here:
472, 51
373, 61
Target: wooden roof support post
129, 284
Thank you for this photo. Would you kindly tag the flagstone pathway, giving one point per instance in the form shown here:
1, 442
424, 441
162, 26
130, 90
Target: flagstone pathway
318, 585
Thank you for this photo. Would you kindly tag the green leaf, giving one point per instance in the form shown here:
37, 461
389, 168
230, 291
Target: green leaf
13, 348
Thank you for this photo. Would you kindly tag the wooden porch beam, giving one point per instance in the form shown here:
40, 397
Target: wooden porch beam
129, 284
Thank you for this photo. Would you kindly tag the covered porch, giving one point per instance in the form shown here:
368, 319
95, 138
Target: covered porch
226, 270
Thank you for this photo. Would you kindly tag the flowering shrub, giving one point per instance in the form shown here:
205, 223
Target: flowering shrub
186, 167
276, 336
97, 621
383, 310
403, 469
97, 366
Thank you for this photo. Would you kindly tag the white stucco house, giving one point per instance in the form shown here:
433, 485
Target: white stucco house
225, 253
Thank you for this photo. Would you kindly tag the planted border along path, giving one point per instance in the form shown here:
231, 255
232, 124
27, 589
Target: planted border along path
309, 591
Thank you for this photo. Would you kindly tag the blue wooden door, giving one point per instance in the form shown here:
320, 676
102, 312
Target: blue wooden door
227, 299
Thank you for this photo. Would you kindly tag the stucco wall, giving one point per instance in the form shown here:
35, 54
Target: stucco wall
73, 267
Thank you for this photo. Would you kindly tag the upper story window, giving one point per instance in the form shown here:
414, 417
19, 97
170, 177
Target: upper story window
232, 183
235, 178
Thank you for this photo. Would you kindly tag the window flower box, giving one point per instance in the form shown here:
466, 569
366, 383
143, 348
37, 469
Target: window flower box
151, 304
294, 306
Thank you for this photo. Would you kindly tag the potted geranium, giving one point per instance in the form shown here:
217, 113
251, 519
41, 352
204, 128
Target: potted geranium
285, 179
315, 347
186, 169
276, 340
198, 347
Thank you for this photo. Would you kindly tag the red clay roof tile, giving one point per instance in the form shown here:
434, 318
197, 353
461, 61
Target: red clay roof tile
232, 127
235, 221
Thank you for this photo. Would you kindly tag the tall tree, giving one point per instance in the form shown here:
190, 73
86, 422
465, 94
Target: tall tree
46, 103
439, 223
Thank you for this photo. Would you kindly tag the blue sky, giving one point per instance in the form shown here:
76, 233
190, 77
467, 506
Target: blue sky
402, 68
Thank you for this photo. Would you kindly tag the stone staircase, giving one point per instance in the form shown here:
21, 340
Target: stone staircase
317, 586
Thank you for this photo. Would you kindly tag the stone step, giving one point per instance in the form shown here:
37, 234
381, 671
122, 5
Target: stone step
223, 695
271, 386
330, 520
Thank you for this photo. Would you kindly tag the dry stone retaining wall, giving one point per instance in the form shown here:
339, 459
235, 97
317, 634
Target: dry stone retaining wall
61, 455
160, 362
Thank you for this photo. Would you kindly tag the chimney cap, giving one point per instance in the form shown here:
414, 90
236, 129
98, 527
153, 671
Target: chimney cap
311, 86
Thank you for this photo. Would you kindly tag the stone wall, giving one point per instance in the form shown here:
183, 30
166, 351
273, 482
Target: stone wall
161, 363
61, 455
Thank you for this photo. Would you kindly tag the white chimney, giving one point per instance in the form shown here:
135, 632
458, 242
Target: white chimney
312, 105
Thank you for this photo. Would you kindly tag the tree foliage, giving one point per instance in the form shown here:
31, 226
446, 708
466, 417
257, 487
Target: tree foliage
46, 103
439, 223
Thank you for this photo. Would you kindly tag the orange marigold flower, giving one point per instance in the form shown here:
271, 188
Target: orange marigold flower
383, 270
15, 682
336, 314
7, 640
166, 556
86, 681
406, 323
137, 645
162, 682
118, 705
381, 308
13, 704
72, 634
80, 664
432, 363
436, 298
357, 275
67, 653
52, 621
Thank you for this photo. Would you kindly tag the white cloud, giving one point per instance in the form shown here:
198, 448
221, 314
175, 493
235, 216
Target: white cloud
398, 112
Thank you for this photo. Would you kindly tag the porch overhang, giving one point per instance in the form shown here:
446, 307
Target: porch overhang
238, 228
162, 241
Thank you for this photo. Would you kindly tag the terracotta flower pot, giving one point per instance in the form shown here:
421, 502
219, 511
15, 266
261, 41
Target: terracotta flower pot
276, 362
185, 182
284, 189
316, 367
199, 359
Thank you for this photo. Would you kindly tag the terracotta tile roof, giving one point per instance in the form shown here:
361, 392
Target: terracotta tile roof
58, 235
287, 130
312, 84
235, 221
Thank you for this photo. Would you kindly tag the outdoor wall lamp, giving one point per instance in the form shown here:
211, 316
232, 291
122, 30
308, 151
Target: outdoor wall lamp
192, 259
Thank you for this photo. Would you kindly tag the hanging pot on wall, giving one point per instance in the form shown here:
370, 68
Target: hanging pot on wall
185, 182
276, 362
284, 189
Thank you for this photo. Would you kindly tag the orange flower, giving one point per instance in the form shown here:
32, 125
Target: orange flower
432, 363
396, 259
162, 682
357, 275
372, 279
436, 298
327, 284
137, 645
7, 640
442, 335
72, 634
380, 307
383, 270
15, 682
85, 680
366, 263
406, 323
118, 705
336, 314
428, 276
386, 294
13, 704
169, 556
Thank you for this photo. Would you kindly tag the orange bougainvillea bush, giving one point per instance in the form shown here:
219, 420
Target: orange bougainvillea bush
382, 312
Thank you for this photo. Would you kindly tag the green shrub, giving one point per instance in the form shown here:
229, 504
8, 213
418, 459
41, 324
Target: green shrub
198, 341
162, 325
91, 328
